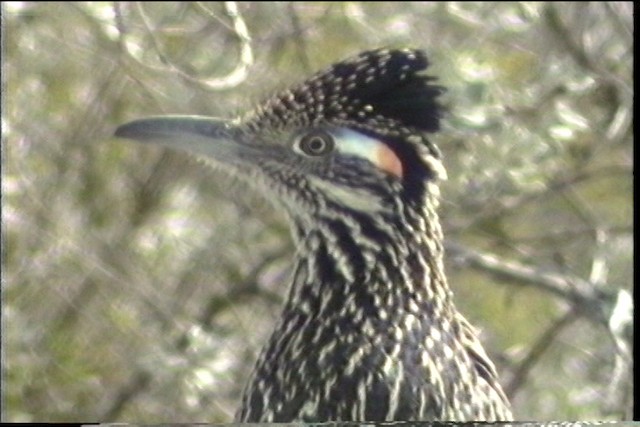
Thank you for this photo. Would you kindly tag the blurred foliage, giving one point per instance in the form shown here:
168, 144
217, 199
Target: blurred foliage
138, 285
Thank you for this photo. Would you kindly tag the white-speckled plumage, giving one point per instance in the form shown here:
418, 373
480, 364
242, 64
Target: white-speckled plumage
369, 330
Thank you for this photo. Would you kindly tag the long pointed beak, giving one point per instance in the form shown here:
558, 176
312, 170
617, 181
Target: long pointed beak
202, 135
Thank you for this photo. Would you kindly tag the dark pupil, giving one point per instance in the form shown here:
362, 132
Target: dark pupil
316, 144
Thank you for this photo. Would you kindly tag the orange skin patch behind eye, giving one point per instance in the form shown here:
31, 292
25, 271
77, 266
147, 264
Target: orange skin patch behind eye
387, 160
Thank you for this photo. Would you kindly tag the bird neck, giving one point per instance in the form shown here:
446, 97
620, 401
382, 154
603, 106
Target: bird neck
381, 265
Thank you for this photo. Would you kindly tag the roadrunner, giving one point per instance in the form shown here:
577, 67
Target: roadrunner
369, 329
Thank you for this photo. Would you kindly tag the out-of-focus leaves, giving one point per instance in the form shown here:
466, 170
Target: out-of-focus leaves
139, 285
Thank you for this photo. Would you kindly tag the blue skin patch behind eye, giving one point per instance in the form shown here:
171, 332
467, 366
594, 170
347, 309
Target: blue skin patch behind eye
355, 143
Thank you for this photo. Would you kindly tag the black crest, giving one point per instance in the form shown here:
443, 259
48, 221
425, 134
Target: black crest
379, 87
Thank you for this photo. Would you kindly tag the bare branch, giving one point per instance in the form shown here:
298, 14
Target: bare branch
620, 389
231, 80
611, 308
593, 302
239, 73
576, 50
555, 185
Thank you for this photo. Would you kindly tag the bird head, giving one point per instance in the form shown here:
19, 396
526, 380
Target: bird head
352, 136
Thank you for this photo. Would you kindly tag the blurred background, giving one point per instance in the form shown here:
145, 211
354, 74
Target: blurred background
138, 285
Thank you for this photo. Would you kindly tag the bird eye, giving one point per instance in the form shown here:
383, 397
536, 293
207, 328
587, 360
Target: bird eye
316, 143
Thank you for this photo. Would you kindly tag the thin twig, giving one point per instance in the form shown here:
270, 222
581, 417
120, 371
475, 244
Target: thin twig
299, 38
536, 351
